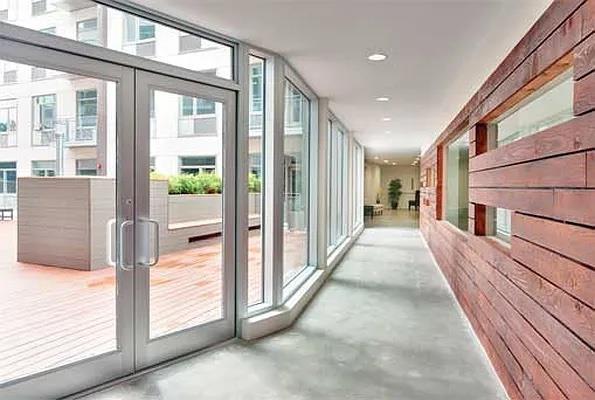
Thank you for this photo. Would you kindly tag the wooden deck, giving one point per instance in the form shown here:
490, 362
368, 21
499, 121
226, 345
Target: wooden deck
54, 316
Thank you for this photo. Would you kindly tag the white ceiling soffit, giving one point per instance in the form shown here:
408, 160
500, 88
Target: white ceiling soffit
439, 53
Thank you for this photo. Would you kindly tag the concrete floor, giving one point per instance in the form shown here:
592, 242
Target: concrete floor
384, 326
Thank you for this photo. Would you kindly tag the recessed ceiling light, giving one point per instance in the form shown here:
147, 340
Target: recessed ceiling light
385, 161
386, 131
394, 163
376, 158
382, 99
386, 119
377, 57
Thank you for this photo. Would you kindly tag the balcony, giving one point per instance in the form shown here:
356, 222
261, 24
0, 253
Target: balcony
43, 137
8, 139
81, 134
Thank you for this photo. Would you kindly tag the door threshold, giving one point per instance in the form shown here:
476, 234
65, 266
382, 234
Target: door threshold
148, 370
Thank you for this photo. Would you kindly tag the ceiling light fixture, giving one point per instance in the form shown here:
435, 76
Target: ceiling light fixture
377, 57
394, 163
376, 158
386, 161
386, 119
386, 131
382, 99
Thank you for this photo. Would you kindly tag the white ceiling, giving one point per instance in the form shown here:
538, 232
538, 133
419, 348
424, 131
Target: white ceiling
439, 53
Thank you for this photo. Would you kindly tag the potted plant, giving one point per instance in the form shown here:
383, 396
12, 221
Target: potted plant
394, 193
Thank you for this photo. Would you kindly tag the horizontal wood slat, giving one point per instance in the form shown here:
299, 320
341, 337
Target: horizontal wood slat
584, 58
576, 279
571, 136
549, 341
584, 94
536, 174
576, 242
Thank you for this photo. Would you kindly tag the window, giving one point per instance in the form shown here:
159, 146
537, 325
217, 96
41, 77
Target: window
86, 115
197, 117
256, 92
550, 105
457, 182
197, 164
296, 193
337, 186
39, 7
86, 167
44, 118
9, 72
8, 124
50, 31
43, 168
256, 199
121, 31
8, 177
86, 31
358, 188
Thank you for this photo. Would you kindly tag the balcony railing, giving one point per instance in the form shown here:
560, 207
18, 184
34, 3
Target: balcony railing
82, 134
197, 126
43, 137
8, 139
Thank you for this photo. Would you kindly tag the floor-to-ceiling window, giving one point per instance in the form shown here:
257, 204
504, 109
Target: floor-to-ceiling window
337, 183
296, 182
457, 182
357, 188
255, 181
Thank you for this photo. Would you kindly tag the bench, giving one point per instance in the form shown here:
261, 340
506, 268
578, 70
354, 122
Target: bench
6, 214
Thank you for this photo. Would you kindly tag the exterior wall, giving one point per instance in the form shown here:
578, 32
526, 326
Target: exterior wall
530, 302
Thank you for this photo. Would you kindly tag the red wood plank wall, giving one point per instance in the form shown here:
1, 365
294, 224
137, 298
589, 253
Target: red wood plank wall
531, 303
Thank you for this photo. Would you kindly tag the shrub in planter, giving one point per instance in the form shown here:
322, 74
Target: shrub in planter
202, 183
254, 183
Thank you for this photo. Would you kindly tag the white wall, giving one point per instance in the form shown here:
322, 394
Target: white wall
377, 177
371, 183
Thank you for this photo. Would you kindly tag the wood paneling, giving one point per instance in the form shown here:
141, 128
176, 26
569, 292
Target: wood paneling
531, 301
536, 174
584, 94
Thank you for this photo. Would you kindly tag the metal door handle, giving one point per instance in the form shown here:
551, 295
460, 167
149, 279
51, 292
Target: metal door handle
109, 243
123, 265
155, 258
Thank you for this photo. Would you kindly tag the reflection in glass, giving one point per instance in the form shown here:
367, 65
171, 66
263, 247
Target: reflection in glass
295, 165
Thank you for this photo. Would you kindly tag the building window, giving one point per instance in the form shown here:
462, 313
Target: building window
152, 164
256, 92
139, 36
293, 107
44, 118
8, 124
550, 105
337, 186
86, 115
39, 7
9, 72
197, 117
189, 43
86, 167
86, 31
50, 31
43, 168
457, 182
8, 177
197, 164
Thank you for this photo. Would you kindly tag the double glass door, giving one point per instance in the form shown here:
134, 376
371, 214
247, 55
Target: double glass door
119, 253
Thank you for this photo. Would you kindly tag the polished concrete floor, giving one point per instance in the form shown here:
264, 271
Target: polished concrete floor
384, 326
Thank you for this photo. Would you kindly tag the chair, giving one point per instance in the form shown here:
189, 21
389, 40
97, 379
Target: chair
414, 203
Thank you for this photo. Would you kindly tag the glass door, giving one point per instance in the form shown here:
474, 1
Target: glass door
185, 185
66, 195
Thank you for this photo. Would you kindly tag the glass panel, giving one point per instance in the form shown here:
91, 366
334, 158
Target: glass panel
104, 26
457, 183
255, 183
296, 160
549, 106
186, 189
57, 293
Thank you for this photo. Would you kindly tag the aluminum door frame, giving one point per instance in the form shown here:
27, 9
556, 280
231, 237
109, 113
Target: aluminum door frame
154, 351
81, 375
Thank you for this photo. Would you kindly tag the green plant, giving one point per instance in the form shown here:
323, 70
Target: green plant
254, 183
202, 183
394, 193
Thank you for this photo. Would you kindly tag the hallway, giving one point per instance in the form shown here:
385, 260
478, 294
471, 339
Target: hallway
385, 326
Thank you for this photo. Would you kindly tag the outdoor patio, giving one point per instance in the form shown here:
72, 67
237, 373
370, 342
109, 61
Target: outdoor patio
53, 316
